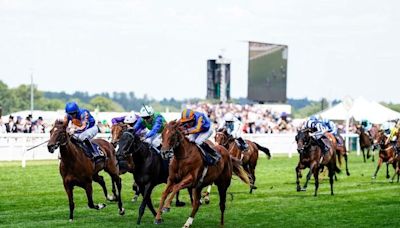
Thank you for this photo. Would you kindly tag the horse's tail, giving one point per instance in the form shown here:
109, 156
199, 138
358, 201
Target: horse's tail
339, 157
263, 149
239, 171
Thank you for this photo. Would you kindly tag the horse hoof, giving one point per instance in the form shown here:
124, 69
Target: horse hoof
348, 174
254, 187
134, 199
101, 206
207, 200
111, 198
180, 204
165, 209
71, 220
303, 189
122, 211
158, 221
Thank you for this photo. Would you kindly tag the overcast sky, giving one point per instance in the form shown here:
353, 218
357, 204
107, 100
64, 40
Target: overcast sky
160, 48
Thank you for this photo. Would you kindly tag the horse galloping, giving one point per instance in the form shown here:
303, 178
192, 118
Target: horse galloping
188, 170
250, 157
77, 169
311, 156
365, 143
386, 154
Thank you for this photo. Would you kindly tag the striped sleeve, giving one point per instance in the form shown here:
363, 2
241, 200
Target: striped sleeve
198, 126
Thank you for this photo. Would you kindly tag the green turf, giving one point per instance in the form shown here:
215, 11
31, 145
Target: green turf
34, 197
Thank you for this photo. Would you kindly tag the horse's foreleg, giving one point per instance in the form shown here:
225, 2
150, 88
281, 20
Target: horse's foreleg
315, 171
222, 200
146, 192
135, 188
297, 170
183, 184
196, 192
377, 168
168, 189
117, 180
179, 203
100, 180
253, 178
346, 160
387, 170
69, 188
362, 149
89, 195
308, 177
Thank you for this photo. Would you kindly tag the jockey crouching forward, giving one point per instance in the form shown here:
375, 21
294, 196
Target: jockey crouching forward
318, 132
154, 122
129, 119
83, 128
391, 134
331, 127
198, 128
233, 128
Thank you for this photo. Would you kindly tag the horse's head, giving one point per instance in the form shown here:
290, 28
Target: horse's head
58, 136
171, 138
381, 138
221, 137
125, 142
116, 132
303, 140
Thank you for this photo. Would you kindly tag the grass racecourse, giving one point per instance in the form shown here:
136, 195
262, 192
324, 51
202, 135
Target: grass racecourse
34, 197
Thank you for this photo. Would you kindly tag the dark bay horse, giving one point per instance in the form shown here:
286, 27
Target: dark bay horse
150, 169
125, 163
187, 170
365, 143
386, 154
77, 169
250, 157
310, 155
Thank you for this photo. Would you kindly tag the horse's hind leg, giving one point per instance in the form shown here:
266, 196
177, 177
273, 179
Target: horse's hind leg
89, 195
387, 170
222, 200
331, 171
177, 202
69, 189
135, 188
253, 178
315, 171
146, 192
297, 170
166, 192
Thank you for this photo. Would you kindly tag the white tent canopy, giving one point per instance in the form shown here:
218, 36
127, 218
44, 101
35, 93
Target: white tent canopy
359, 109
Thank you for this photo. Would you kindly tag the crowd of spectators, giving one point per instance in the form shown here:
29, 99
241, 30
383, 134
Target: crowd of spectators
255, 120
21, 125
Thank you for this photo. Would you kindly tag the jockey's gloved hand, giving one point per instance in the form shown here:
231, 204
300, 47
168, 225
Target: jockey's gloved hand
148, 140
72, 131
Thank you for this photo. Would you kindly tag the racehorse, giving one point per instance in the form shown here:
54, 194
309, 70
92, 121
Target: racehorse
386, 154
311, 156
125, 163
250, 157
341, 151
365, 143
188, 170
150, 169
77, 169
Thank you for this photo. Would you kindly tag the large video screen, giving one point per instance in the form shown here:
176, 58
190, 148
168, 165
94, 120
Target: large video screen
267, 72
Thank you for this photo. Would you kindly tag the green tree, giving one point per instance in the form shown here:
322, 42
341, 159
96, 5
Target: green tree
105, 104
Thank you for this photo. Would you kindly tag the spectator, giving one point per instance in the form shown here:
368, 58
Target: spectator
11, 127
20, 125
3, 128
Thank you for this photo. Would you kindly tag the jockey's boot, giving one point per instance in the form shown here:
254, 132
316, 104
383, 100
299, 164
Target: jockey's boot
323, 146
242, 144
211, 152
95, 153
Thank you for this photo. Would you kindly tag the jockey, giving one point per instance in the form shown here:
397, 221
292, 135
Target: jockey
83, 126
154, 122
198, 128
391, 134
331, 127
318, 132
233, 127
129, 119
367, 127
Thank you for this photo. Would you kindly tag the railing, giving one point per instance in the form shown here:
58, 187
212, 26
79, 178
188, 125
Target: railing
14, 147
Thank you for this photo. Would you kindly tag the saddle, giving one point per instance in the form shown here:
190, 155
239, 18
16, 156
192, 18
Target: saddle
209, 155
94, 153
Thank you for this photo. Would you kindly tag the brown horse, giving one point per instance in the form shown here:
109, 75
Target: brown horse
365, 143
187, 170
250, 157
341, 151
311, 156
77, 169
125, 162
386, 154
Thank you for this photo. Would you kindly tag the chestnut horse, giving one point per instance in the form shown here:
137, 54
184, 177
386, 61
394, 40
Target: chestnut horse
386, 154
310, 155
250, 157
125, 163
77, 169
188, 170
